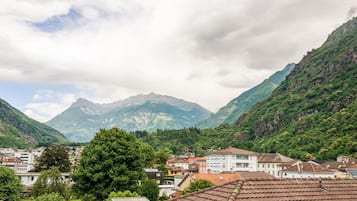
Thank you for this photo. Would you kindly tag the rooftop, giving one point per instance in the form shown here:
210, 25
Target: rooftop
277, 190
232, 151
273, 158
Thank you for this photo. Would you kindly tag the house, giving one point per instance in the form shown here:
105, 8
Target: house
29, 178
178, 162
340, 166
306, 170
174, 171
277, 190
231, 159
216, 179
155, 174
271, 163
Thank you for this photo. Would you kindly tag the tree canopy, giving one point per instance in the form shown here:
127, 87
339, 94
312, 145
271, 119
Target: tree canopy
111, 162
50, 181
10, 186
54, 155
150, 189
197, 185
50, 197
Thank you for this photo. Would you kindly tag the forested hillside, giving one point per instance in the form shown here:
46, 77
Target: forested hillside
18, 130
311, 115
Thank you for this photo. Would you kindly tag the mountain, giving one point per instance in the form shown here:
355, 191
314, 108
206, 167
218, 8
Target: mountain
236, 107
19, 131
313, 113
143, 112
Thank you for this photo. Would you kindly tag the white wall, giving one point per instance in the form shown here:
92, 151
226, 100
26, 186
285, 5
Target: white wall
307, 175
218, 163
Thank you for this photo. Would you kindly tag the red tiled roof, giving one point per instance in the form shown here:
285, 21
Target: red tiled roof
273, 158
233, 151
216, 179
307, 167
278, 190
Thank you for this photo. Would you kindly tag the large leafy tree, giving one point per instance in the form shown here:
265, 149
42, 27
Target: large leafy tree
110, 162
50, 181
54, 155
150, 189
50, 197
10, 186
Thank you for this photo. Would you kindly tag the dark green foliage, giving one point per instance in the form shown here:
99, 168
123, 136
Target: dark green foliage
50, 197
50, 181
197, 185
122, 194
54, 156
150, 189
312, 114
19, 131
111, 162
10, 186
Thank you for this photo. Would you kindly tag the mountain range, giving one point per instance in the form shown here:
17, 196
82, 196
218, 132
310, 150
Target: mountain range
143, 112
241, 104
18, 130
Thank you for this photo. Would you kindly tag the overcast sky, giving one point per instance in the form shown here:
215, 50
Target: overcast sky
204, 51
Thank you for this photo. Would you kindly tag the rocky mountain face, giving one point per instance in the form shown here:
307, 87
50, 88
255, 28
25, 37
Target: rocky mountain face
236, 107
314, 111
19, 131
143, 112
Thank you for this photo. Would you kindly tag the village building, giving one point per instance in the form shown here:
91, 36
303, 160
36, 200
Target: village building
271, 163
231, 159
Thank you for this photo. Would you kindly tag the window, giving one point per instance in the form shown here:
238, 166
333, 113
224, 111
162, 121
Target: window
242, 157
268, 165
32, 178
242, 165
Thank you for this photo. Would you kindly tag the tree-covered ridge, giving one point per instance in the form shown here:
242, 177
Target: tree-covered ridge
236, 107
311, 115
18, 130
313, 112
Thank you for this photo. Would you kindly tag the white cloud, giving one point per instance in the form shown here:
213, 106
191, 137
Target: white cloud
47, 104
208, 51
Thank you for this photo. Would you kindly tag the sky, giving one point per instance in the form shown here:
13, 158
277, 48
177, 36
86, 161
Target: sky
203, 51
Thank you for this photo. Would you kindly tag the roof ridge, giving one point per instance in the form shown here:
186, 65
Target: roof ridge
236, 191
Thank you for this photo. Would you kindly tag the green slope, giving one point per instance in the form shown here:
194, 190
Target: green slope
313, 113
236, 107
18, 130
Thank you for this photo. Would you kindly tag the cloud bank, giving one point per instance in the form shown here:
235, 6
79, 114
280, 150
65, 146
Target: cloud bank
206, 51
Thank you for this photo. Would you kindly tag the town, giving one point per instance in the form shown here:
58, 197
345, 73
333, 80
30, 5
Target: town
218, 167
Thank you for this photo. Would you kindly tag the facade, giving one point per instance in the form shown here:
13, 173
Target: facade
155, 174
231, 159
29, 178
271, 163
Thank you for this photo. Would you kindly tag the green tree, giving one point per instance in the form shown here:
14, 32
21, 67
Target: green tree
150, 189
120, 194
54, 155
148, 154
50, 197
50, 181
161, 156
197, 185
10, 186
110, 162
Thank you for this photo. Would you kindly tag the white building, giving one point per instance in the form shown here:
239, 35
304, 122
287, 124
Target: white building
231, 159
308, 169
29, 178
271, 163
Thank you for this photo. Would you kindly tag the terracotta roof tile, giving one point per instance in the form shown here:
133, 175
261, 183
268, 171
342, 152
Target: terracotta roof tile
216, 179
273, 158
233, 151
278, 190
